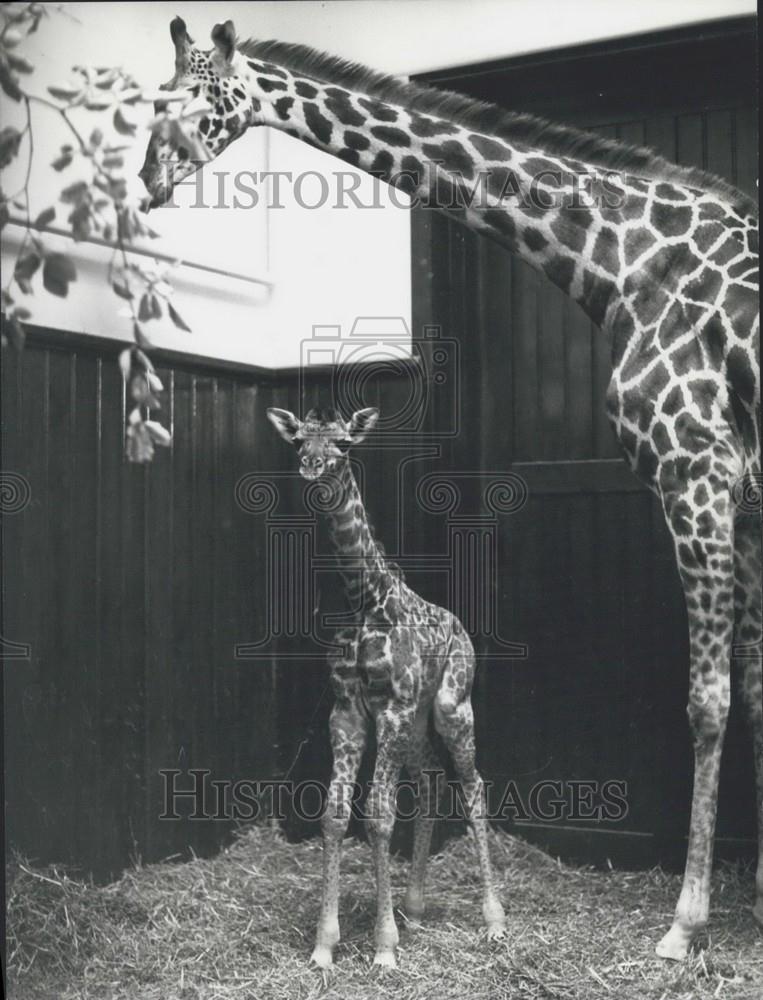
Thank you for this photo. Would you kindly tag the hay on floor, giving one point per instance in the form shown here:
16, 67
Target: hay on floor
240, 926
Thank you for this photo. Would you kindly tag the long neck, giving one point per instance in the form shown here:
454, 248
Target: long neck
361, 562
552, 211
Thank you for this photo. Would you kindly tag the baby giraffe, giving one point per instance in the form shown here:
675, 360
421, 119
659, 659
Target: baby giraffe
405, 661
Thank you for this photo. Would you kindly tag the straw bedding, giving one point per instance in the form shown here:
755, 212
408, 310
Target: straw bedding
239, 926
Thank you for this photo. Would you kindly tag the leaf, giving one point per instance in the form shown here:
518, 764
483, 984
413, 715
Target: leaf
4, 214
15, 332
67, 92
140, 338
142, 359
121, 124
117, 188
81, 221
139, 446
9, 82
125, 362
177, 319
11, 38
58, 271
106, 78
160, 435
10, 140
96, 103
144, 309
122, 290
26, 266
62, 161
19, 63
156, 307
113, 161
130, 95
45, 218
74, 193
96, 138
140, 391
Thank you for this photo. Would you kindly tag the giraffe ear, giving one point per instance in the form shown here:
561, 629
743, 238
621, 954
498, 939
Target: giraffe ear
224, 38
182, 42
362, 423
179, 33
284, 422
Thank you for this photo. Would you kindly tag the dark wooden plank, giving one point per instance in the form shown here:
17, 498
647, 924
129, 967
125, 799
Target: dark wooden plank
161, 679
690, 140
746, 149
579, 336
112, 811
526, 292
84, 623
20, 527
184, 568
660, 135
604, 441
552, 347
226, 666
134, 643
59, 665
253, 447
718, 139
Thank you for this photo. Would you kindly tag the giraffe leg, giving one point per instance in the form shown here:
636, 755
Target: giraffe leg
394, 729
748, 646
454, 721
704, 551
349, 731
424, 768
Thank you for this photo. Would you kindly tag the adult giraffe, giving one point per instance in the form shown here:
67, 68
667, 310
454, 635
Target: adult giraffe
663, 258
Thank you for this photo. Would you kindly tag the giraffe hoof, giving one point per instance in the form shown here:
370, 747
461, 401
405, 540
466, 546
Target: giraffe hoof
492, 911
757, 912
414, 910
386, 959
322, 957
496, 931
676, 944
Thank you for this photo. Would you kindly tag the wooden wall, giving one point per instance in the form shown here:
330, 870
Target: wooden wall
132, 587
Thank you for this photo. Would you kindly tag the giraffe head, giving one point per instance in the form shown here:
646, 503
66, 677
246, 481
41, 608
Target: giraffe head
225, 85
323, 439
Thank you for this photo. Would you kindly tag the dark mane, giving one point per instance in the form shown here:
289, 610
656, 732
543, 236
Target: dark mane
489, 118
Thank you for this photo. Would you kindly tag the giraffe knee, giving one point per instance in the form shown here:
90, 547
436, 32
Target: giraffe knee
380, 813
451, 711
708, 711
340, 801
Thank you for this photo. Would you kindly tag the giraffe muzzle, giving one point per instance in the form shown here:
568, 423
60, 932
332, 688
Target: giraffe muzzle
311, 468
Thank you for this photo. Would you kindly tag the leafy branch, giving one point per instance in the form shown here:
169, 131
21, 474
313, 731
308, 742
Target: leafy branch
97, 206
